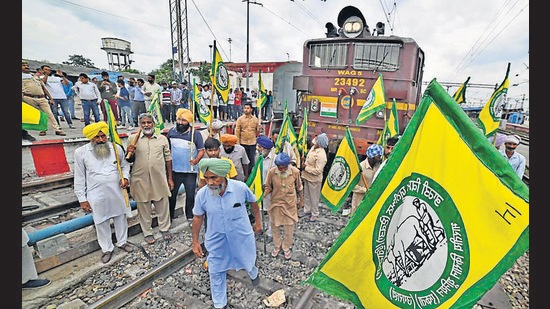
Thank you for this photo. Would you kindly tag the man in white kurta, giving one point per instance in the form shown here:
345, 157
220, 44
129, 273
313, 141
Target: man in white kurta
99, 189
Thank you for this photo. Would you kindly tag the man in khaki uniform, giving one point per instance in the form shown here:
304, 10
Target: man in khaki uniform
247, 129
35, 94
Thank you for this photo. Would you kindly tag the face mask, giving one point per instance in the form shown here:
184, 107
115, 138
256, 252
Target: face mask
230, 149
182, 127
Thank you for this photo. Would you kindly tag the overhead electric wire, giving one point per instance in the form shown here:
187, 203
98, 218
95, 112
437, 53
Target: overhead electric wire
219, 47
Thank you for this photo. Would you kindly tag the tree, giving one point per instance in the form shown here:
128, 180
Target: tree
79, 61
165, 73
203, 72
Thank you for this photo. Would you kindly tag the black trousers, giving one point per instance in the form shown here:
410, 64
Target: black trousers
189, 180
251, 154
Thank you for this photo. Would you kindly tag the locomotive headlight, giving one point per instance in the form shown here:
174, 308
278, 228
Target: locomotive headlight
314, 105
353, 27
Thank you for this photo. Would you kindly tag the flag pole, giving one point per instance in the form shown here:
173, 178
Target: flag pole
192, 167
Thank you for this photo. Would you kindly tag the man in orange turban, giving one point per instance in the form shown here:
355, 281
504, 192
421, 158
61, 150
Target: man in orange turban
185, 114
230, 139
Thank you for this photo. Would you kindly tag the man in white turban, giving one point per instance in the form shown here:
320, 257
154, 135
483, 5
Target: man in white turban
516, 159
99, 189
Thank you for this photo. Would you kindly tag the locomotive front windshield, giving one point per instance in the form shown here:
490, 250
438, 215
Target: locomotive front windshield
366, 56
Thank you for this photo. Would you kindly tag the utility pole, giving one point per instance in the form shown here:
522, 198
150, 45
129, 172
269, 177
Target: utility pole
247, 37
229, 40
180, 39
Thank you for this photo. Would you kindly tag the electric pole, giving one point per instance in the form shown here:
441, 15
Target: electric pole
180, 40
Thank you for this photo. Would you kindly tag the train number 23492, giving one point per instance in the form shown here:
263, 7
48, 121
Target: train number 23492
342, 81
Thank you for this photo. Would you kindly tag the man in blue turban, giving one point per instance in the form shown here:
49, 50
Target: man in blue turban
285, 185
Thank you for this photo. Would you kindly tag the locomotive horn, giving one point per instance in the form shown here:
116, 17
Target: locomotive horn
332, 32
380, 26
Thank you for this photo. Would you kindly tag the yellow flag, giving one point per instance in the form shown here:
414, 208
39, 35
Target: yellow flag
220, 75
460, 94
489, 116
343, 175
376, 100
431, 233
33, 118
255, 181
393, 122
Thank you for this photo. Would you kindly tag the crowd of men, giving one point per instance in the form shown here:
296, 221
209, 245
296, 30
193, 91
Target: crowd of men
212, 167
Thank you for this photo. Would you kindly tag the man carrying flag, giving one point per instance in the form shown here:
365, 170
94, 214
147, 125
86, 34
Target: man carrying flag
431, 233
100, 189
343, 175
489, 117
376, 100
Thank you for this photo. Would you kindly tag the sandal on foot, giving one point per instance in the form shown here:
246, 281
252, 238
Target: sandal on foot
288, 255
150, 239
275, 252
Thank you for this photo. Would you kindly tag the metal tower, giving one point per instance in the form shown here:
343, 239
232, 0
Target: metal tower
180, 40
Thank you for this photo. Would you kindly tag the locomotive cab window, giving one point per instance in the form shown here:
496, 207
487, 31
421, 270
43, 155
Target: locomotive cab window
328, 56
376, 56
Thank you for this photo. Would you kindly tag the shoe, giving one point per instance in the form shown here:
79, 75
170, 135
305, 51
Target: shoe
130, 128
29, 137
42, 133
127, 247
166, 235
313, 219
36, 283
256, 281
120, 127
303, 214
150, 239
72, 126
106, 257
60, 133
75, 118
62, 118
275, 252
190, 222
288, 255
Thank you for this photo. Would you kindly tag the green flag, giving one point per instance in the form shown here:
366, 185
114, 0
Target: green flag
431, 233
204, 112
376, 100
154, 110
262, 94
460, 94
489, 117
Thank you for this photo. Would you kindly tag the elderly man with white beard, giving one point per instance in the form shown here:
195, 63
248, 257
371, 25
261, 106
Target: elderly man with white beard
229, 238
99, 189
285, 185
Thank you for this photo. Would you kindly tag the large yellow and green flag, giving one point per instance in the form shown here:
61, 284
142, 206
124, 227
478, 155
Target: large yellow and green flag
33, 118
262, 94
205, 116
431, 233
460, 94
220, 76
393, 120
376, 100
343, 175
489, 116
154, 110
255, 181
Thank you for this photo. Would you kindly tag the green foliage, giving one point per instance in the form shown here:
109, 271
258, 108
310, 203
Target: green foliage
80, 61
203, 72
165, 73
127, 70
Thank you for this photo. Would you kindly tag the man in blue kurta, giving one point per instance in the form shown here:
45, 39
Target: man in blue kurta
229, 238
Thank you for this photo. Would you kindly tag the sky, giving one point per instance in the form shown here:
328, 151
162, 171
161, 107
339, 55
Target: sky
459, 38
